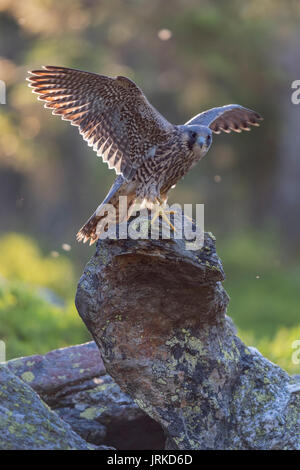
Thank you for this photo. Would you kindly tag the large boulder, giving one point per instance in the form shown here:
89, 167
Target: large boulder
157, 312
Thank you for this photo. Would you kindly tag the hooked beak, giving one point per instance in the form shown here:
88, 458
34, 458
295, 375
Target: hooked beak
201, 141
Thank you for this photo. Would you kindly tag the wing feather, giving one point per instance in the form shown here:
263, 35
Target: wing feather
112, 114
231, 117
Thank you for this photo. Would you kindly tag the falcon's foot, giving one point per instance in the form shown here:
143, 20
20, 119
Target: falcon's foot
160, 211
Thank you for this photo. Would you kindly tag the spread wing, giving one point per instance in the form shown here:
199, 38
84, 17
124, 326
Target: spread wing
232, 117
112, 114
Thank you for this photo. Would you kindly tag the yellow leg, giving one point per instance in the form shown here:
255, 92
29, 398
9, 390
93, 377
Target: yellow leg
161, 212
189, 218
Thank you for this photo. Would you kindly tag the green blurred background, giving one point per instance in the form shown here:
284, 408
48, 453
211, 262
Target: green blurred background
187, 55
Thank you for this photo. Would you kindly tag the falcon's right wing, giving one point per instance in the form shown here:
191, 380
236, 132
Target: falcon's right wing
112, 114
232, 117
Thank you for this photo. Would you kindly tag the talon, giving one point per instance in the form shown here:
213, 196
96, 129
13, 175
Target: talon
165, 217
161, 212
189, 218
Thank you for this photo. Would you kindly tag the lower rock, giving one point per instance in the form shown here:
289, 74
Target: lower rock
26, 423
74, 383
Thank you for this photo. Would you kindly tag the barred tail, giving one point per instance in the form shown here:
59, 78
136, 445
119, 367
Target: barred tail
97, 223
89, 229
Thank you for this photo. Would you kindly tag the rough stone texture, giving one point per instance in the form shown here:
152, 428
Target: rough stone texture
28, 423
60, 371
158, 315
74, 383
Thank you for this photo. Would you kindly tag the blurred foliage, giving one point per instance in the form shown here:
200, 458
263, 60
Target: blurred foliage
262, 285
278, 349
22, 260
31, 325
264, 294
37, 311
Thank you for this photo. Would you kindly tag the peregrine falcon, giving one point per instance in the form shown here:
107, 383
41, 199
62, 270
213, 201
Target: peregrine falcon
148, 153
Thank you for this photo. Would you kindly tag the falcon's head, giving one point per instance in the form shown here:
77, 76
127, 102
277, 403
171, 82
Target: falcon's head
197, 138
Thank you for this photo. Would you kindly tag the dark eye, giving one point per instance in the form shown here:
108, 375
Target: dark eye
193, 135
208, 139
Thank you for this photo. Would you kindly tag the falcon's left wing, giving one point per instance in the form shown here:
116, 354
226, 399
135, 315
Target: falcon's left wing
232, 117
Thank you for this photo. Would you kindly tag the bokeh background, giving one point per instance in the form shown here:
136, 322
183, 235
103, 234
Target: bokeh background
187, 55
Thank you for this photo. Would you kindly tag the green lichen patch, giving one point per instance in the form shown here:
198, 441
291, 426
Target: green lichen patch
27, 423
27, 376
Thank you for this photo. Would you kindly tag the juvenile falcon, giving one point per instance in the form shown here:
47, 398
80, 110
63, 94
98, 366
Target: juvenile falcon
148, 153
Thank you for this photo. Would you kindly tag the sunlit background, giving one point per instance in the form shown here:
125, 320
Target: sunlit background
187, 55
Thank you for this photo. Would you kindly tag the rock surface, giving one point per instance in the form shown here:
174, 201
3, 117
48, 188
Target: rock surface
28, 423
157, 312
58, 372
73, 382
